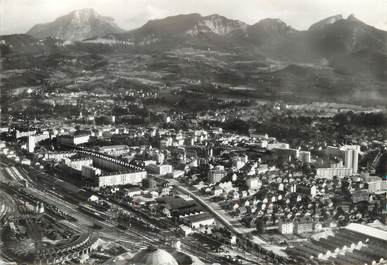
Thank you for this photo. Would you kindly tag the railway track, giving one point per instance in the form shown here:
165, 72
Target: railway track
146, 238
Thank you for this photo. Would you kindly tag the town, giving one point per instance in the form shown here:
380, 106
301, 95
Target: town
202, 132
209, 187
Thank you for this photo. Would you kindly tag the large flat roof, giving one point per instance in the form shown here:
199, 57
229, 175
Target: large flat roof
368, 230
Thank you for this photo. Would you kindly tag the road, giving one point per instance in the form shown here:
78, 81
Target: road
215, 212
225, 219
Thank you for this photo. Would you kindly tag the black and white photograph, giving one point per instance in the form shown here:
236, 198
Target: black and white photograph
193, 132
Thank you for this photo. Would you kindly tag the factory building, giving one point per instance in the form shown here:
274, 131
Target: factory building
329, 173
73, 139
116, 179
102, 170
77, 164
160, 170
90, 172
114, 150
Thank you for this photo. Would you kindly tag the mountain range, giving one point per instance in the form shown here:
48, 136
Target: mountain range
349, 47
324, 40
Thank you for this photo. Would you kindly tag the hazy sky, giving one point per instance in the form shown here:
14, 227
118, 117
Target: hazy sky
17, 16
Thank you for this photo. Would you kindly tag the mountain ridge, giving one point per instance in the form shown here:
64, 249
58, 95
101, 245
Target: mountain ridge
192, 25
336, 56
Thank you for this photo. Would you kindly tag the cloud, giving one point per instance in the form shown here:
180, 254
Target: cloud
17, 16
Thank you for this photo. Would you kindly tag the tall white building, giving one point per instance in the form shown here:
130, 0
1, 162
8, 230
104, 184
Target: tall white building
31, 144
351, 157
349, 153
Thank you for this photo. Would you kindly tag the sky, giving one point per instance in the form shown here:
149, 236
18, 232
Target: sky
18, 16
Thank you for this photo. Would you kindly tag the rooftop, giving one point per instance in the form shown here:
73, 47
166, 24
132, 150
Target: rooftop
199, 217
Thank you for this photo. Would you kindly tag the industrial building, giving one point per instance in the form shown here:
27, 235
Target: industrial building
329, 173
160, 170
100, 170
355, 244
73, 139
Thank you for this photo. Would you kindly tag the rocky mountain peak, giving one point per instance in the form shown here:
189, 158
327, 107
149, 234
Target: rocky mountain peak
77, 25
326, 22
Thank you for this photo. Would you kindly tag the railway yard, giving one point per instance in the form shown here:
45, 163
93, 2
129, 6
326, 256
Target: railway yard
30, 201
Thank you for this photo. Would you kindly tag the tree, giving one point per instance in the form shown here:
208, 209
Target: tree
237, 125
